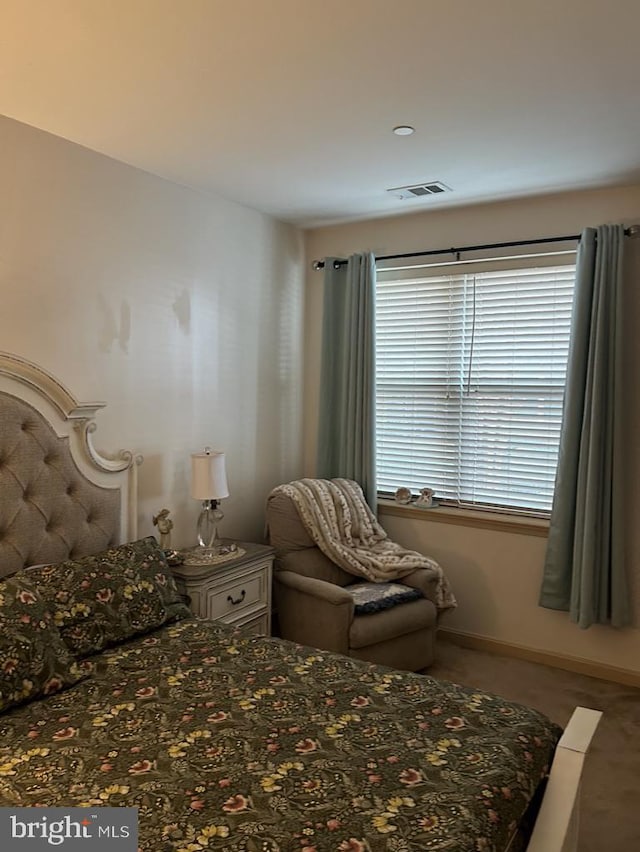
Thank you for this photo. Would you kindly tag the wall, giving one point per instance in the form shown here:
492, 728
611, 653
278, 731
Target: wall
496, 575
183, 312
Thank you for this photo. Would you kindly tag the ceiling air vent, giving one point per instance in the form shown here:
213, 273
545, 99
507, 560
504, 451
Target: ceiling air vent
420, 190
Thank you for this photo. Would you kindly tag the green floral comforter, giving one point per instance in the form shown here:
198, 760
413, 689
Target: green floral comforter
232, 743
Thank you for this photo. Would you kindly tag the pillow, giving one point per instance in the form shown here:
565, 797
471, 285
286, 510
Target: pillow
34, 661
374, 597
101, 600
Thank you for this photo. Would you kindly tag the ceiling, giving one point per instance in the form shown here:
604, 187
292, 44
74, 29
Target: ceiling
288, 105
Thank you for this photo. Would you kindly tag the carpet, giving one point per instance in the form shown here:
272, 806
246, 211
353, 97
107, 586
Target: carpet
610, 801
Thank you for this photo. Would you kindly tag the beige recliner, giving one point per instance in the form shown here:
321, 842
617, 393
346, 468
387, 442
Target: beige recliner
314, 608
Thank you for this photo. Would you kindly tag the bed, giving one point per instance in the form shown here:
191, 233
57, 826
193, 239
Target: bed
223, 741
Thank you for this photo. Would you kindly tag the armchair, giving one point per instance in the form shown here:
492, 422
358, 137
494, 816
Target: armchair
315, 607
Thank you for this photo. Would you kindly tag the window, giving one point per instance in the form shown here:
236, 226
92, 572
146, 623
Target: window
471, 363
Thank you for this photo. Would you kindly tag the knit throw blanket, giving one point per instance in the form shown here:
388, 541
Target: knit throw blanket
340, 522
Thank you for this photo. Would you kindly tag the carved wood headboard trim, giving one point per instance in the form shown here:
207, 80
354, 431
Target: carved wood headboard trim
66, 426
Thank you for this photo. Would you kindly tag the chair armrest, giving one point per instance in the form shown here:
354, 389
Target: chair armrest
424, 580
313, 612
311, 586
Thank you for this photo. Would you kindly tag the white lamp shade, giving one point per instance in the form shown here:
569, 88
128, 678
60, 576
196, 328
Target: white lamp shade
208, 476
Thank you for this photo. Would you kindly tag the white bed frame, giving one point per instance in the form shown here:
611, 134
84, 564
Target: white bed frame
556, 826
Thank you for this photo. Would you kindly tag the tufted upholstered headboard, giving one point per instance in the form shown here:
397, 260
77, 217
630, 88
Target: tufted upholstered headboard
59, 497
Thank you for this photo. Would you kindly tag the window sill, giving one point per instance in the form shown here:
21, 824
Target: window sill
517, 524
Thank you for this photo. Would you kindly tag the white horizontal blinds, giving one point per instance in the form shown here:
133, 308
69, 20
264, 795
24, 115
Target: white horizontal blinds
512, 406
470, 382
419, 337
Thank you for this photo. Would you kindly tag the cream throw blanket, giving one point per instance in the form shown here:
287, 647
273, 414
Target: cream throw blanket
340, 522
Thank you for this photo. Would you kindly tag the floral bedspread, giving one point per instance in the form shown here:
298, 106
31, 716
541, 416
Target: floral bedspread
232, 743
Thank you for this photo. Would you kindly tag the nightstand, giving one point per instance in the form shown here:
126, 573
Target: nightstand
236, 591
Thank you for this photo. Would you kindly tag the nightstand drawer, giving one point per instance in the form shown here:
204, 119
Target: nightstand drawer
245, 593
254, 625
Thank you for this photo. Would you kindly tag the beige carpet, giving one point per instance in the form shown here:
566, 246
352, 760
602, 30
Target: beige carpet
610, 804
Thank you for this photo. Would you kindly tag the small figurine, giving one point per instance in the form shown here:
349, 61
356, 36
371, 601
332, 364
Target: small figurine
403, 495
165, 525
425, 500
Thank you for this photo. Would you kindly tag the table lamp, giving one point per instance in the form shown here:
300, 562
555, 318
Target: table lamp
209, 484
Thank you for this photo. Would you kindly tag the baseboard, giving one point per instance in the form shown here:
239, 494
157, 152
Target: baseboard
627, 677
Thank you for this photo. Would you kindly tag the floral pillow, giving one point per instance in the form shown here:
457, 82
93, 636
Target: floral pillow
98, 601
34, 661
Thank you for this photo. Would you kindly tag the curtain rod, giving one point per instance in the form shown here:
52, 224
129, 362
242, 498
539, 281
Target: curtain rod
319, 264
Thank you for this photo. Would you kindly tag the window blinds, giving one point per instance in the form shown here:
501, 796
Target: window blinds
470, 380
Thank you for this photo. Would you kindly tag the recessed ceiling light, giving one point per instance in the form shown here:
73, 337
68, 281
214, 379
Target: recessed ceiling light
404, 130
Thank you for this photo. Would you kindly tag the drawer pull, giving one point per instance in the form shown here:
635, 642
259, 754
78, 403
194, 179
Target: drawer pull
237, 600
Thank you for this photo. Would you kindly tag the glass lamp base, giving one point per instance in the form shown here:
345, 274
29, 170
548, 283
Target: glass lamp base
210, 547
208, 521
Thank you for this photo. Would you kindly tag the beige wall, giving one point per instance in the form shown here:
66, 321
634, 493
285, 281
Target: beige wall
182, 312
496, 575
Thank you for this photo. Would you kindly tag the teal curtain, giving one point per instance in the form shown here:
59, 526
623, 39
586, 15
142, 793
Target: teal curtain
346, 429
584, 571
